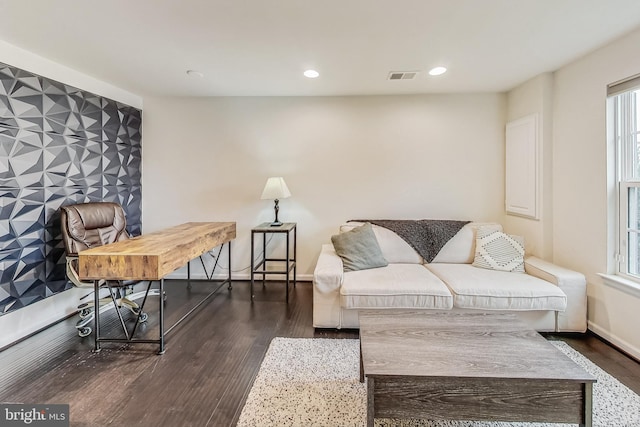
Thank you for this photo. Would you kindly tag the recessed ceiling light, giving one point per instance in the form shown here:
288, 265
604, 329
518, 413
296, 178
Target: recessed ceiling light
437, 71
194, 73
312, 74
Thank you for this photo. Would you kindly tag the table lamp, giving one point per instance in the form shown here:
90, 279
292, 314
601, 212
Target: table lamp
275, 189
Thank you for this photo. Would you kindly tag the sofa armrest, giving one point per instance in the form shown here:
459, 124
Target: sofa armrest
559, 276
328, 274
572, 283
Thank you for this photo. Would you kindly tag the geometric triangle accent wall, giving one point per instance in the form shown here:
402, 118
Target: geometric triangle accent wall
59, 145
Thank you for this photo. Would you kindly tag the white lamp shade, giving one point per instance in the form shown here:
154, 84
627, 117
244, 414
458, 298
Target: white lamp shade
275, 188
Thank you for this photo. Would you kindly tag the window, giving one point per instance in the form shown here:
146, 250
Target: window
624, 104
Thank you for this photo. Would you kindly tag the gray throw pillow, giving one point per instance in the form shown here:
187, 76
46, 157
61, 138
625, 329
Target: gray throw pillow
359, 249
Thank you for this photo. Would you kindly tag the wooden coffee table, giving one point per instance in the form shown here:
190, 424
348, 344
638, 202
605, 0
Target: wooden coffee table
467, 366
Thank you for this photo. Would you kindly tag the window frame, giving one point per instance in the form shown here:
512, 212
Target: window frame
626, 138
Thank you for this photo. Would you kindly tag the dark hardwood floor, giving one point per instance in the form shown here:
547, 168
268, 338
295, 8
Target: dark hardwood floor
209, 365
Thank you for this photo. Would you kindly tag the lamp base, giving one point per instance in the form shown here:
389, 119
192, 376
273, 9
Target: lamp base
276, 223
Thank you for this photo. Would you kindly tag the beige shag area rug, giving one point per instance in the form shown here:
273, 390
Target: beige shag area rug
315, 382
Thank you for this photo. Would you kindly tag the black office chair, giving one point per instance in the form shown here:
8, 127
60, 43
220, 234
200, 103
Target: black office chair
89, 225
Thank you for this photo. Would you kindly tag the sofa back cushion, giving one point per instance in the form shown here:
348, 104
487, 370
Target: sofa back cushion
394, 249
461, 248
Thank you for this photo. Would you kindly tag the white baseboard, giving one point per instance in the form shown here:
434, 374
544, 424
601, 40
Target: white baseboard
623, 345
23, 322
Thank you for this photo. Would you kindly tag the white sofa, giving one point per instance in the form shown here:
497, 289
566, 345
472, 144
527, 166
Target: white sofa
548, 297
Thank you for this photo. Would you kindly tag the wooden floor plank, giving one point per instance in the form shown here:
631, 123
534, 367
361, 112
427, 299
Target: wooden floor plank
209, 366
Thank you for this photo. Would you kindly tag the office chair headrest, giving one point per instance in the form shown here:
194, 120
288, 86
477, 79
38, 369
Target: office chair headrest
89, 225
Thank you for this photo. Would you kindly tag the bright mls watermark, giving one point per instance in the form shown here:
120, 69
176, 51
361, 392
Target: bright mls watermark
22, 414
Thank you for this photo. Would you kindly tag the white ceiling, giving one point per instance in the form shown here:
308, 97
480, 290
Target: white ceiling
261, 47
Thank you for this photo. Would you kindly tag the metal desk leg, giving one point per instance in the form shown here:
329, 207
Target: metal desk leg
287, 267
229, 264
161, 320
253, 263
96, 314
264, 258
189, 274
295, 255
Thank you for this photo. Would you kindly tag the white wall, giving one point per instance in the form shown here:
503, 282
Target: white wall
536, 97
20, 323
580, 199
207, 159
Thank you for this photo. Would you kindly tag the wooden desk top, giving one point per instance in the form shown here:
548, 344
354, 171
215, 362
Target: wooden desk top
154, 255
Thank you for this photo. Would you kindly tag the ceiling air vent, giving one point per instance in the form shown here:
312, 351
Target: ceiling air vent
402, 75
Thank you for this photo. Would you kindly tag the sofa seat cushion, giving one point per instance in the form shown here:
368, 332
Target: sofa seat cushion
394, 286
482, 289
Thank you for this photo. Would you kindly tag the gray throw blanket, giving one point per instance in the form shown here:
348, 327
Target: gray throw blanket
426, 236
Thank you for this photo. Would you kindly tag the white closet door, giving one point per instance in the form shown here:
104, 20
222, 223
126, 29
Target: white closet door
522, 167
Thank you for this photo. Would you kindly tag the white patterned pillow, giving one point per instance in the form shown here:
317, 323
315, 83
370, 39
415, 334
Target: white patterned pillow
496, 250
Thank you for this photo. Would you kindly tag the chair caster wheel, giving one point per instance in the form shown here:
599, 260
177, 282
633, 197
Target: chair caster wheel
142, 316
84, 332
85, 312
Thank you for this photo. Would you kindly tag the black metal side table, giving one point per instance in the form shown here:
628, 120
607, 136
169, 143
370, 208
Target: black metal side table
289, 259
